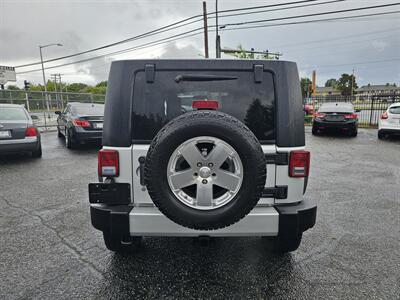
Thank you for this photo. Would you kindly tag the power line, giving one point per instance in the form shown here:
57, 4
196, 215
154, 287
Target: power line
277, 9
162, 29
313, 21
355, 63
343, 37
181, 35
312, 15
146, 45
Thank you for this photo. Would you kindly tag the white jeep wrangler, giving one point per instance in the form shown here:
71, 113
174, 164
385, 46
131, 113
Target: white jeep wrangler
202, 148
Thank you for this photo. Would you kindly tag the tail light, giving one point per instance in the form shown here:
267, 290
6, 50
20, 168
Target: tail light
299, 163
384, 116
108, 163
31, 131
205, 104
320, 115
351, 116
82, 123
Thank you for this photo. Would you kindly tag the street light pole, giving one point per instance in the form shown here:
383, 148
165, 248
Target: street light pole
44, 79
44, 76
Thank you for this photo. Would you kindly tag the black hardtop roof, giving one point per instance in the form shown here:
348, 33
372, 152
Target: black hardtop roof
120, 86
201, 63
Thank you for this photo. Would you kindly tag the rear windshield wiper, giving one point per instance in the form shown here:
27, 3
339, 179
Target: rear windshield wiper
197, 77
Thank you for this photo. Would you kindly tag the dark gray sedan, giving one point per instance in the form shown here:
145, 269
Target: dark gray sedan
17, 131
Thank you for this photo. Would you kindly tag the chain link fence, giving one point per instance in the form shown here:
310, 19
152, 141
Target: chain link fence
369, 107
42, 106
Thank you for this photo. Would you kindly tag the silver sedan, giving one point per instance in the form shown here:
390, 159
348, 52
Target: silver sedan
17, 131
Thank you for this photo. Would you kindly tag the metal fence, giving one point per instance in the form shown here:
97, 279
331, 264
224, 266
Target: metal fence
369, 107
42, 106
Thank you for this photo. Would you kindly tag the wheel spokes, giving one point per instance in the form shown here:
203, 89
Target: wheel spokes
182, 179
226, 180
204, 194
191, 154
218, 155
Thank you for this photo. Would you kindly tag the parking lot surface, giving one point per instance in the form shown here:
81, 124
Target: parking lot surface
49, 250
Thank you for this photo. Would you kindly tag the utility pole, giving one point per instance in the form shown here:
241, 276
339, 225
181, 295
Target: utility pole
205, 29
352, 84
44, 77
61, 91
55, 86
314, 87
217, 37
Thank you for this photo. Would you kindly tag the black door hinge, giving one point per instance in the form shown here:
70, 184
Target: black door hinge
278, 192
280, 158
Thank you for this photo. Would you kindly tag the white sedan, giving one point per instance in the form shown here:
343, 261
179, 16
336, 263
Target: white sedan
389, 123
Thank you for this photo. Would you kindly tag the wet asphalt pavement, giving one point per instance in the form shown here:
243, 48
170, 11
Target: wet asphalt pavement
49, 250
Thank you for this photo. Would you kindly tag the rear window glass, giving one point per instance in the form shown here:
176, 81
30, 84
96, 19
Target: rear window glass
89, 110
395, 110
12, 114
156, 103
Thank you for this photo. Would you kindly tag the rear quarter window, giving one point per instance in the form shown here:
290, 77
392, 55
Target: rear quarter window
12, 114
395, 110
156, 103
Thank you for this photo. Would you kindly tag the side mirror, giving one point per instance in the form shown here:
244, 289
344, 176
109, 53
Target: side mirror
358, 110
57, 112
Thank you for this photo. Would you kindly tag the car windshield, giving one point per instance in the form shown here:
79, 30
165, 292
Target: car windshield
395, 110
12, 114
88, 110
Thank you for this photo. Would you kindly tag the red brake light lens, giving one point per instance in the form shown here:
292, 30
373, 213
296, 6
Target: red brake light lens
351, 116
31, 131
108, 163
384, 116
205, 104
82, 123
299, 163
320, 115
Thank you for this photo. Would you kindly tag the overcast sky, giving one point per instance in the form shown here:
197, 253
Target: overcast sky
369, 45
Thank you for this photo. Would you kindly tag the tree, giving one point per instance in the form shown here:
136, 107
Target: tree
13, 87
345, 83
332, 82
102, 84
304, 83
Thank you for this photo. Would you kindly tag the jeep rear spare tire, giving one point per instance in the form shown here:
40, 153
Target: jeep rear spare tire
205, 170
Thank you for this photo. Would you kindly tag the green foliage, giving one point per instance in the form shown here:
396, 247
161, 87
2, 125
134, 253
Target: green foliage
345, 84
101, 84
243, 54
332, 82
304, 83
13, 88
77, 87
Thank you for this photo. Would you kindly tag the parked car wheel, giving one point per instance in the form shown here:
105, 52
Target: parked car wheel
314, 131
121, 244
381, 135
205, 170
38, 152
59, 134
69, 140
354, 133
